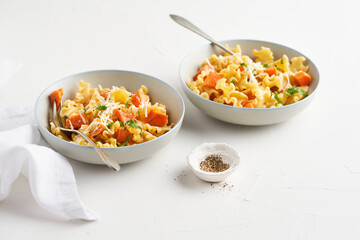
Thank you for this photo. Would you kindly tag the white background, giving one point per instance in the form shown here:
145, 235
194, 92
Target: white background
299, 179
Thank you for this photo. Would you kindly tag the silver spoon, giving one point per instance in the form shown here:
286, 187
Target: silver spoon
111, 163
185, 23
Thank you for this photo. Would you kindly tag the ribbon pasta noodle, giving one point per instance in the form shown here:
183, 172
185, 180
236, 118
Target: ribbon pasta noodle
112, 117
240, 81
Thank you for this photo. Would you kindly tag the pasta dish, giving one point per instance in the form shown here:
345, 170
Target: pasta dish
111, 117
240, 81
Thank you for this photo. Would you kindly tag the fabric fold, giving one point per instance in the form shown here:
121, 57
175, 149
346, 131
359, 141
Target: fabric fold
51, 177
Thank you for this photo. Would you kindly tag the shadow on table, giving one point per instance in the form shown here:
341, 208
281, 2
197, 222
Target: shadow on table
20, 204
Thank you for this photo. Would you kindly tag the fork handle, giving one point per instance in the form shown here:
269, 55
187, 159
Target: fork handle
104, 156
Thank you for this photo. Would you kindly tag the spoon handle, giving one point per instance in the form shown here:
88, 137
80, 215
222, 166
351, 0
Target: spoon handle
104, 156
185, 23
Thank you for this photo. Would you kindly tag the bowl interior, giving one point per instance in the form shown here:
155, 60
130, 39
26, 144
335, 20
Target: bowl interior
190, 65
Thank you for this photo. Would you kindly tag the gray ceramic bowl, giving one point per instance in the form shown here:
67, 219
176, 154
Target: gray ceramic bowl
159, 91
245, 116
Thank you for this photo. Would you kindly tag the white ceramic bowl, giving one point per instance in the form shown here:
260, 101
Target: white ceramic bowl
228, 154
159, 91
245, 116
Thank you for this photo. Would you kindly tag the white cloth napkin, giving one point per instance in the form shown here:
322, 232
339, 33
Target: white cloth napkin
51, 177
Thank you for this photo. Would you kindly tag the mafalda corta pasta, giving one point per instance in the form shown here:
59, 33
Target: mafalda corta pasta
240, 81
112, 117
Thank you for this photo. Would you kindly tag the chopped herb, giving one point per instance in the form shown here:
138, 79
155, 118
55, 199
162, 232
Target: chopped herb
127, 105
131, 123
109, 125
130, 95
138, 113
277, 68
97, 143
233, 83
104, 107
282, 61
302, 92
243, 64
266, 65
127, 141
85, 109
248, 79
254, 72
292, 90
278, 99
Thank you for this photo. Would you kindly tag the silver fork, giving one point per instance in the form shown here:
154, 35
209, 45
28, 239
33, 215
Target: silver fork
111, 163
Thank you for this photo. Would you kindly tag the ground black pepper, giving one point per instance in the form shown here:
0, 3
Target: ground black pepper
213, 163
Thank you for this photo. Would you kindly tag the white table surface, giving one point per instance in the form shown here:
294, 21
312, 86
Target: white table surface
299, 179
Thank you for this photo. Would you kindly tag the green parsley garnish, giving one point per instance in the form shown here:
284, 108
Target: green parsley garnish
131, 123
121, 123
127, 105
302, 92
110, 124
233, 83
278, 99
282, 61
104, 107
138, 113
277, 68
243, 64
85, 109
266, 65
292, 90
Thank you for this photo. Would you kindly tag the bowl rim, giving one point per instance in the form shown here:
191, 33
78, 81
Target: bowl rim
179, 98
216, 104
